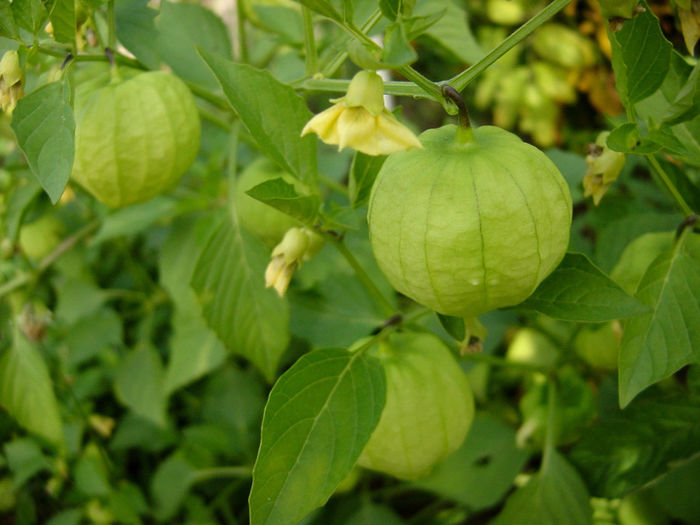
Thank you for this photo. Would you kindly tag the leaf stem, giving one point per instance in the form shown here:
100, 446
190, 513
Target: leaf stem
680, 201
362, 274
550, 436
47, 261
311, 58
332, 66
241, 34
460, 81
406, 89
111, 27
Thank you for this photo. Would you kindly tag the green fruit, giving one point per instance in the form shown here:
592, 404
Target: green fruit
564, 46
262, 220
468, 228
599, 345
135, 136
533, 348
429, 407
37, 239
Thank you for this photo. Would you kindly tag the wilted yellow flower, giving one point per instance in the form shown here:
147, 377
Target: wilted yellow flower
297, 245
11, 81
604, 166
361, 121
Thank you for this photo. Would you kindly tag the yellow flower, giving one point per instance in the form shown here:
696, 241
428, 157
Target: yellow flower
361, 121
11, 81
604, 166
297, 245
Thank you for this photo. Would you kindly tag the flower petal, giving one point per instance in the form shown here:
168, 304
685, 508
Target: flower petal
355, 126
325, 124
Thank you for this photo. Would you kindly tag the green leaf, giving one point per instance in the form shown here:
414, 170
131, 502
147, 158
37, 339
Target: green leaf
338, 310
171, 483
44, 126
687, 102
273, 113
139, 384
281, 195
363, 172
134, 219
417, 25
554, 496
640, 57
62, 17
483, 469
24, 458
629, 448
8, 27
90, 473
323, 7
390, 8
372, 514
26, 391
454, 326
229, 280
91, 334
29, 14
578, 291
572, 166
136, 30
18, 201
627, 139
183, 28
452, 31
194, 350
658, 343
397, 50
318, 418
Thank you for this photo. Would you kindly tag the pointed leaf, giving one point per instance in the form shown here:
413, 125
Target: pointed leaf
397, 49
26, 390
658, 343
8, 26
629, 448
29, 14
390, 8
452, 31
44, 126
363, 172
281, 195
182, 29
136, 30
323, 7
62, 17
641, 56
318, 418
229, 280
554, 496
578, 291
139, 384
273, 113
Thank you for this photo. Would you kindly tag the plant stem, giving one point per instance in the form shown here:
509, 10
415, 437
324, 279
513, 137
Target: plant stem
311, 59
680, 201
459, 82
241, 32
89, 57
333, 185
331, 67
550, 436
362, 274
405, 89
500, 361
204, 94
47, 261
111, 27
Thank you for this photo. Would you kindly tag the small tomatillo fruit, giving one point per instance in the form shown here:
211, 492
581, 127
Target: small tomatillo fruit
135, 135
428, 411
468, 226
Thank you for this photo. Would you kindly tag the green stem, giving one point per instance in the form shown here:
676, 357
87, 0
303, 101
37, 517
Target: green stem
214, 119
405, 89
461, 81
311, 59
89, 57
550, 436
47, 261
680, 201
505, 363
204, 94
332, 66
241, 32
111, 27
333, 185
362, 274
431, 89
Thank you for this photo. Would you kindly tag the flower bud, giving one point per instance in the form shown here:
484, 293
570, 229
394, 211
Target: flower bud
11, 81
298, 245
604, 166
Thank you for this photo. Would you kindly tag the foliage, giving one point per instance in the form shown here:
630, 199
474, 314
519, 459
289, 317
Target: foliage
147, 375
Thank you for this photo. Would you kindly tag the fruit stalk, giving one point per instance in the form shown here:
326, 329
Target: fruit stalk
464, 127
